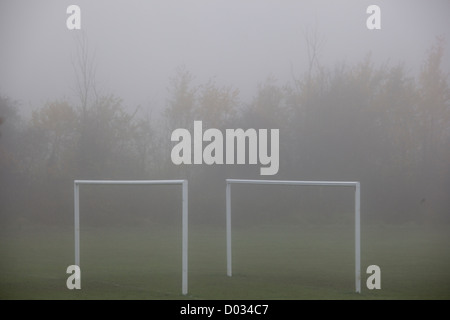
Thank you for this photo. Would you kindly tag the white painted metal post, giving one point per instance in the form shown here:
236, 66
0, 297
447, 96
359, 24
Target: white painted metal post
77, 222
228, 199
185, 238
184, 184
302, 183
357, 238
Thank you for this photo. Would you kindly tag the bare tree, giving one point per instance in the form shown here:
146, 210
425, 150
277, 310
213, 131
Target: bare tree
85, 72
314, 45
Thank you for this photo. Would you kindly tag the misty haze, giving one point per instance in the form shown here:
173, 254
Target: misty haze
346, 103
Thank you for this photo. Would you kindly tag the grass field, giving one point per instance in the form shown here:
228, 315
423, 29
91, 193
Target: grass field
269, 262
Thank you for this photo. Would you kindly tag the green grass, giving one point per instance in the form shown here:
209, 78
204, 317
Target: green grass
269, 262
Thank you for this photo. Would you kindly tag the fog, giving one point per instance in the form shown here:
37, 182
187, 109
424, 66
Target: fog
209, 90
350, 103
139, 44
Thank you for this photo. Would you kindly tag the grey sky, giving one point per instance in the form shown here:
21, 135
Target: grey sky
139, 44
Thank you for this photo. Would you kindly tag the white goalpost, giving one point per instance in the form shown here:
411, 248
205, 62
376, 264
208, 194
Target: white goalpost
355, 185
183, 183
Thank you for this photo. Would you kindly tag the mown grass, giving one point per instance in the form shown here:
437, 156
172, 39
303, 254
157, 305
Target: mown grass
269, 262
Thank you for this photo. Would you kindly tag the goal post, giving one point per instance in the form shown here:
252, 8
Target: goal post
353, 184
183, 183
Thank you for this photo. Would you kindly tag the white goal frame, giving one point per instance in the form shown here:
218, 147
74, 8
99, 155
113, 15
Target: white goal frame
183, 183
354, 184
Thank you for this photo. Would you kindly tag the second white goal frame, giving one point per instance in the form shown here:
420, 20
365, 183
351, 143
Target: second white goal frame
353, 184
183, 183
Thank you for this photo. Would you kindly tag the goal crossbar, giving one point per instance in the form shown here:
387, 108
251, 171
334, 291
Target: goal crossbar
354, 184
183, 183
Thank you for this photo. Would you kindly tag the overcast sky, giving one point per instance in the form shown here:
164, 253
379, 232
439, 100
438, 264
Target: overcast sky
139, 44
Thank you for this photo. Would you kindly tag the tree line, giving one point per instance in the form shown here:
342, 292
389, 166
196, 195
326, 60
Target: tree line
376, 124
